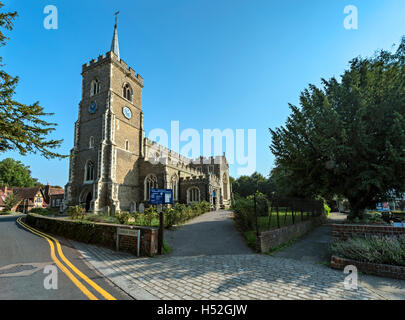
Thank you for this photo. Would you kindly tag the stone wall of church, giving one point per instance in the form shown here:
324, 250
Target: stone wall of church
122, 158
189, 182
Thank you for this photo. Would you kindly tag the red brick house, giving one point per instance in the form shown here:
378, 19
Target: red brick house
30, 198
53, 196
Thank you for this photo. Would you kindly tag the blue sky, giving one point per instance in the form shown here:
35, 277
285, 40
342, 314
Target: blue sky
208, 64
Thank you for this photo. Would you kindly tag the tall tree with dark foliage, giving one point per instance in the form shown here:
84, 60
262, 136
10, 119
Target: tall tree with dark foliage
347, 138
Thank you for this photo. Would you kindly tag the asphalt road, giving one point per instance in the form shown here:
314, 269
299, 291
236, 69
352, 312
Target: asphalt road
23, 260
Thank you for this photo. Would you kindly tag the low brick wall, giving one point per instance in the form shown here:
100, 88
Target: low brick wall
346, 231
103, 234
383, 270
273, 238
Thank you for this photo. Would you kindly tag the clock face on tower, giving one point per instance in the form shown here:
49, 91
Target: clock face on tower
93, 107
127, 112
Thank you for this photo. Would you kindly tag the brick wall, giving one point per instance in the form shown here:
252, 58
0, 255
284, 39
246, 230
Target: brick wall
149, 242
103, 234
345, 231
383, 270
273, 238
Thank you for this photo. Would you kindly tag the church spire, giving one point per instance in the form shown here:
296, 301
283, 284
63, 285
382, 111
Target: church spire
114, 45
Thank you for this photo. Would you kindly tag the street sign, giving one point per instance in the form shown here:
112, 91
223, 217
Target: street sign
130, 233
382, 207
161, 196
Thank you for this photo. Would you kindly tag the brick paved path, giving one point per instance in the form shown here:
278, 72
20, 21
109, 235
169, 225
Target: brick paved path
212, 233
226, 277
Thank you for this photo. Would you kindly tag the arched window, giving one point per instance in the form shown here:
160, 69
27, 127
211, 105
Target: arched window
94, 87
127, 92
193, 195
91, 142
126, 145
89, 171
150, 183
225, 186
174, 185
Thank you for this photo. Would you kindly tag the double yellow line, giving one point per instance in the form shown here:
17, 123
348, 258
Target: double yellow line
65, 270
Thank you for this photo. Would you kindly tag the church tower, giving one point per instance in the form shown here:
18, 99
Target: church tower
103, 171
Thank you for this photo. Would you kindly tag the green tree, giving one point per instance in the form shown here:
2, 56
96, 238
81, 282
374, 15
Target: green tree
247, 185
22, 127
348, 138
15, 174
11, 201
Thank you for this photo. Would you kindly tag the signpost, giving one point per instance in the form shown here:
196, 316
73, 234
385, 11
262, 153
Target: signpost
160, 196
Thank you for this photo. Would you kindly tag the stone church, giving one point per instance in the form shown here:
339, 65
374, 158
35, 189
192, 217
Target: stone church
113, 166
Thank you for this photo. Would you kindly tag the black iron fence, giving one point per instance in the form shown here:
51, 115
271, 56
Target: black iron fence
260, 212
272, 213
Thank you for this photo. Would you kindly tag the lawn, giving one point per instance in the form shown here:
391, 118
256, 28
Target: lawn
7, 213
285, 218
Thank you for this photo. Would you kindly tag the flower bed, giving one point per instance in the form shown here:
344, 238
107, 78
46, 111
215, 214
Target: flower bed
378, 249
176, 215
379, 255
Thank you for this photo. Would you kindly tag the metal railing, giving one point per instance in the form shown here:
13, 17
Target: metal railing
281, 212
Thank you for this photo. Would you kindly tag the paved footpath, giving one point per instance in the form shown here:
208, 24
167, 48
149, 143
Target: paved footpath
212, 233
205, 274
314, 248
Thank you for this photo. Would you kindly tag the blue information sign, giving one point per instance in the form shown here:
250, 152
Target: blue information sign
161, 196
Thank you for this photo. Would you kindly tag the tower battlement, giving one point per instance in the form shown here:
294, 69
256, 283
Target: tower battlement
110, 57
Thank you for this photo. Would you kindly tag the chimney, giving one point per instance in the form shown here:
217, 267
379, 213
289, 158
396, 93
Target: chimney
47, 190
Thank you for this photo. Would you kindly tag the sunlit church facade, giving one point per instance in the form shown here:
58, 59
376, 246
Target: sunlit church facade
113, 166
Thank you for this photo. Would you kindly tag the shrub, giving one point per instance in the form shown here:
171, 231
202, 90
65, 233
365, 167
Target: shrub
205, 206
11, 201
100, 218
170, 217
195, 209
123, 217
76, 212
244, 213
373, 249
262, 204
326, 208
42, 211
149, 214
372, 218
251, 238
